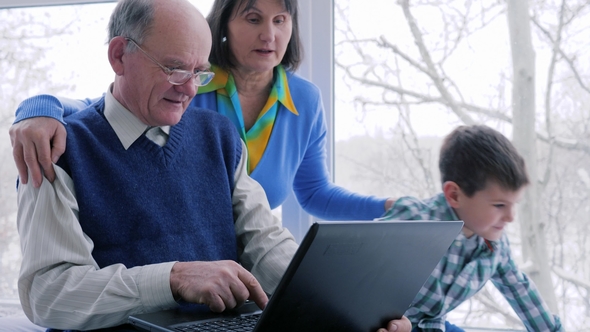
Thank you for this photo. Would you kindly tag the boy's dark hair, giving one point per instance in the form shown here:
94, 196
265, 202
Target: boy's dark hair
471, 156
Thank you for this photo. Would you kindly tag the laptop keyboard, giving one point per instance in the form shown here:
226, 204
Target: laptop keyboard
237, 324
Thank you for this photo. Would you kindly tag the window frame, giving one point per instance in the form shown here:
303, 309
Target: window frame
316, 26
4, 4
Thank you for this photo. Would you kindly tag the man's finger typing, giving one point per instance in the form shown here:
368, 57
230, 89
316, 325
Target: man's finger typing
220, 285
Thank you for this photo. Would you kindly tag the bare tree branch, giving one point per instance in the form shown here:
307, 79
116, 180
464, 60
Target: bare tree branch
570, 278
487, 299
431, 70
564, 56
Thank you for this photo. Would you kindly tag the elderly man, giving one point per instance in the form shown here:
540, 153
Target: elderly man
136, 220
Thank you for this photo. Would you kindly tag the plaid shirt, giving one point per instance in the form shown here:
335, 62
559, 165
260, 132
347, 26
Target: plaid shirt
464, 270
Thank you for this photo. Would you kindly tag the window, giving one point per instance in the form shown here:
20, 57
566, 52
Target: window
408, 72
42, 52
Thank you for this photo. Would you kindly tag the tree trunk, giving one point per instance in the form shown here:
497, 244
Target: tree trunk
524, 137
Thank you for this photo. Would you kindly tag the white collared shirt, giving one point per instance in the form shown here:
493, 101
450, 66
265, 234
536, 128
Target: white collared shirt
61, 285
126, 125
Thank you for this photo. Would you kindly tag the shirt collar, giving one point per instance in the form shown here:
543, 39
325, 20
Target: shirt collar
126, 125
281, 85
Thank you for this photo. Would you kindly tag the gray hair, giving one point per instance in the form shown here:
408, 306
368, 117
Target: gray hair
132, 19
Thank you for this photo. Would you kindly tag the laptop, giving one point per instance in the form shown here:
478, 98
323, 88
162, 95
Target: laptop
345, 276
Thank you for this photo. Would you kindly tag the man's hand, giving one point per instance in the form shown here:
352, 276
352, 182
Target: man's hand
220, 285
401, 325
36, 144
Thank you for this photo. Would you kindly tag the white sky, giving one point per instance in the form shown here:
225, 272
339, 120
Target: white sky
387, 20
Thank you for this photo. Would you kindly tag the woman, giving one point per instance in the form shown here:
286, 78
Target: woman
256, 48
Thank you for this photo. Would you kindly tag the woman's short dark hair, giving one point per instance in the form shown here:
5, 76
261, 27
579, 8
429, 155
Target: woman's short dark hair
471, 156
219, 18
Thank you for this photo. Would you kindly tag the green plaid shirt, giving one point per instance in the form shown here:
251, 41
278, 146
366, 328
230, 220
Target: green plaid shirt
464, 270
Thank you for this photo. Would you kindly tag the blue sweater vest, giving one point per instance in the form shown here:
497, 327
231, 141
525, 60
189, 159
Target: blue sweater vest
152, 204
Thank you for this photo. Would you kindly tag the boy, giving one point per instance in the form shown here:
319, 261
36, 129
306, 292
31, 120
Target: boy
483, 177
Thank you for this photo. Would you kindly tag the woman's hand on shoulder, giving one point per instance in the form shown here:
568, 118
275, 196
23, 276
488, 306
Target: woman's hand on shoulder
389, 203
37, 143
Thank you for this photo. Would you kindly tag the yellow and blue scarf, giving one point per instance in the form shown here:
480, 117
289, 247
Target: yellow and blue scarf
228, 104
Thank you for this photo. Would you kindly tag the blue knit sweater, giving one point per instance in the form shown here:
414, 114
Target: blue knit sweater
152, 204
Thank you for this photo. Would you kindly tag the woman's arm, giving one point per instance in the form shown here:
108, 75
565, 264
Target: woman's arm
314, 189
50, 106
38, 138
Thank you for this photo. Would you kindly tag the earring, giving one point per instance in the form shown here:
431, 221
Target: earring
224, 39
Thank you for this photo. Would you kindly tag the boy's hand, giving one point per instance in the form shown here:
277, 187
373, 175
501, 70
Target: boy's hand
400, 325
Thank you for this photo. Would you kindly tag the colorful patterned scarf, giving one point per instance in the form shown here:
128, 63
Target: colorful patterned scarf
228, 104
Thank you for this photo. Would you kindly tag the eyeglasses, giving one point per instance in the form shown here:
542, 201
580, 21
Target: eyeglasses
179, 76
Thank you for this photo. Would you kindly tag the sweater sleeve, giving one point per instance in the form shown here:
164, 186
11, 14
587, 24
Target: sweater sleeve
50, 106
314, 190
